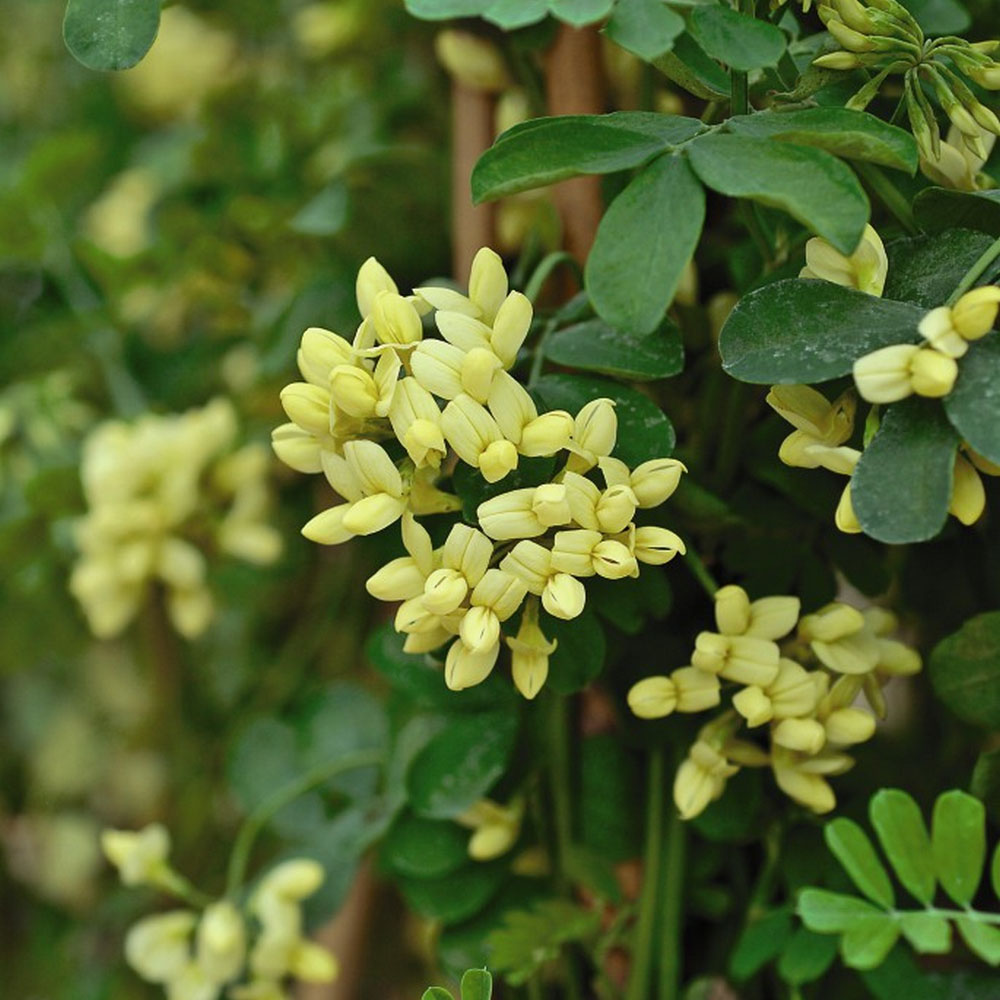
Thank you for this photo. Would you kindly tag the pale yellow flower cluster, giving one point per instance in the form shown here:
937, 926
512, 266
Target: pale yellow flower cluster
195, 955
453, 399
890, 374
802, 690
161, 491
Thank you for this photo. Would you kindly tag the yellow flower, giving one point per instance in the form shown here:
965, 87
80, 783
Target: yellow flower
893, 373
140, 857
821, 428
563, 596
530, 651
487, 289
701, 779
968, 497
405, 577
477, 438
159, 947
802, 779
519, 422
595, 430
744, 659
221, 942
495, 827
472, 60
865, 269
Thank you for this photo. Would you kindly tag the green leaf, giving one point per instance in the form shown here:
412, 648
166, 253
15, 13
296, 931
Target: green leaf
903, 836
995, 872
927, 933
436, 993
461, 763
850, 845
645, 28
900, 977
866, 943
937, 209
958, 839
690, 67
981, 938
644, 432
454, 897
597, 347
985, 783
643, 244
546, 150
939, 17
110, 34
973, 405
579, 655
806, 957
915, 445
425, 848
833, 912
761, 942
738, 40
854, 135
527, 939
580, 12
324, 214
609, 785
442, 10
925, 269
809, 331
477, 984
812, 186
512, 14
963, 670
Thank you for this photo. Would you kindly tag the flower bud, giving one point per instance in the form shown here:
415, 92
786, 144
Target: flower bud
987, 77
564, 596
656, 546
353, 389
480, 629
792, 693
444, 591
297, 448
487, 283
398, 580
308, 406
656, 480
773, 617
653, 698
510, 515
478, 368
396, 320
883, 376
932, 374
327, 527
292, 880
832, 622
312, 963
546, 435
530, 652
751, 660
803, 735
975, 312
851, 40
595, 431
613, 561
499, 458
844, 517
221, 941
464, 668
472, 60
697, 690
710, 652
550, 506
158, 947
753, 705
372, 281
496, 827
499, 591
371, 514
615, 509
321, 351
847, 726
572, 551
437, 367
968, 497
510, 327
809, 790
732, 610
938, 329
838, 60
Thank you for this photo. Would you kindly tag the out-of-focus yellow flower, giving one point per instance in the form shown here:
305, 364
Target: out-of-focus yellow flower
865, 269
495, 827
119, 220
320, 29
893, 373
473, 61
140, 857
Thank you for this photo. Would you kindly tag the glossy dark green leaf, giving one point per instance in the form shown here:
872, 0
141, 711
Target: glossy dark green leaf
643, 243
455, 897
915, 445
866, 943
937, 209
761, 942
833, 912
983, 939
598, 347
425, 848
850, 845
812, 186
985, 783
442, 10
855, 135
110, 34
580, 12
644, 27
477, 984
973, 407
807, 956
939, 17
580, 653
903, 836
958, 839
928, 933
740, 41
963, 670
513, 14
809, 331
461, 764
925, 269
690, 67
644, 432
546, 150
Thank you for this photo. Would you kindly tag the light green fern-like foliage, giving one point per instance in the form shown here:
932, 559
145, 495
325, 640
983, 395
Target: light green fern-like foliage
477, 984
950, 861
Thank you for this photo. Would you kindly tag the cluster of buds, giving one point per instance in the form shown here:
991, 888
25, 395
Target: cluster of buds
802, 687
162, 493
495, 827
887, 375
882, 35
438, 402
249, 952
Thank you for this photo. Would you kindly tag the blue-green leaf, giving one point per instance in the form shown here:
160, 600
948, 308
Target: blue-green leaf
963, 670
974, 404
110, 34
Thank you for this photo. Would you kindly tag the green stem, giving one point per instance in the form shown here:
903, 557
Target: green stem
642, 951
534, 987
538, 356
672, 908
889, 195
546, 266
700, 572
739, 81
260, 817
975, 272
173, 882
